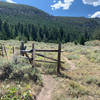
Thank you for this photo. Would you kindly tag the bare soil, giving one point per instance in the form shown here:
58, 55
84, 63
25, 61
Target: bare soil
49, 86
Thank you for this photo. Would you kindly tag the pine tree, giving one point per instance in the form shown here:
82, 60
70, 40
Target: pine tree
82, 40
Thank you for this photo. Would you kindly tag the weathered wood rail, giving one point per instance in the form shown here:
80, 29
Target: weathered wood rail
34, 51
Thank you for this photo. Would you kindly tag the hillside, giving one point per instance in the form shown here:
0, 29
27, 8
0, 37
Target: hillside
46, 27
21, 13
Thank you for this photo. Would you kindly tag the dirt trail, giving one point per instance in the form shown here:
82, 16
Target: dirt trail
49, 85
69, 62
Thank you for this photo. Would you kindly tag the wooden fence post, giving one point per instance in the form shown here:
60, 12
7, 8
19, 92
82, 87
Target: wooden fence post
33, 55
59, 59
22, 48
5, 50
13, 49
2, 51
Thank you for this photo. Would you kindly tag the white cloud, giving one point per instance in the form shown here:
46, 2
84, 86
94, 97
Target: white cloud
54, 1
65, 5
10, 1
92, 2
96, 15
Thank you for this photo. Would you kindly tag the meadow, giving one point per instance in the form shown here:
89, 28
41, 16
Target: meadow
80, 72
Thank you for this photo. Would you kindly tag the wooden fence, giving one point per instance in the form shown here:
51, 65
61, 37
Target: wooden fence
34, 52
3, 51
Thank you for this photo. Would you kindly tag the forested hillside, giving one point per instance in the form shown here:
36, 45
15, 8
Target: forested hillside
29, 23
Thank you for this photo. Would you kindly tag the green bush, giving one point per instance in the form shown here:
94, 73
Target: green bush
93, 80
73, 57
90, 80
77, 90
50, 68
94, 57
34, 74
98, 83
93, 43
14, 93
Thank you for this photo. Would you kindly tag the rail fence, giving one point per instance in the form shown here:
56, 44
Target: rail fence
34, 52
32, 60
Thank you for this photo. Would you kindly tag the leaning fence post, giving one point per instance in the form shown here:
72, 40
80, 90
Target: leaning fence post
33, 55
59, 59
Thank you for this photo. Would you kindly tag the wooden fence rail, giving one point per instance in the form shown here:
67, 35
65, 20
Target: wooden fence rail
30, 51
47, 57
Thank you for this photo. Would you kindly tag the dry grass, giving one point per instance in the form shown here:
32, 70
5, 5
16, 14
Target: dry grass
82, 83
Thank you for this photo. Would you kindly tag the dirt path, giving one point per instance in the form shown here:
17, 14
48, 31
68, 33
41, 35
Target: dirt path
69, 62
49, 85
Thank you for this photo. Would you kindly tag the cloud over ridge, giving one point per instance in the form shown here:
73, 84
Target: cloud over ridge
65, 5
96, 15
10, 1
92, 2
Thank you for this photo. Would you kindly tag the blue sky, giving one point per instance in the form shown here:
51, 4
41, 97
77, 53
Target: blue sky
75, 8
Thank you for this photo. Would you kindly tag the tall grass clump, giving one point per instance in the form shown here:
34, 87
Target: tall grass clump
50, 68
77, 90
93, 57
